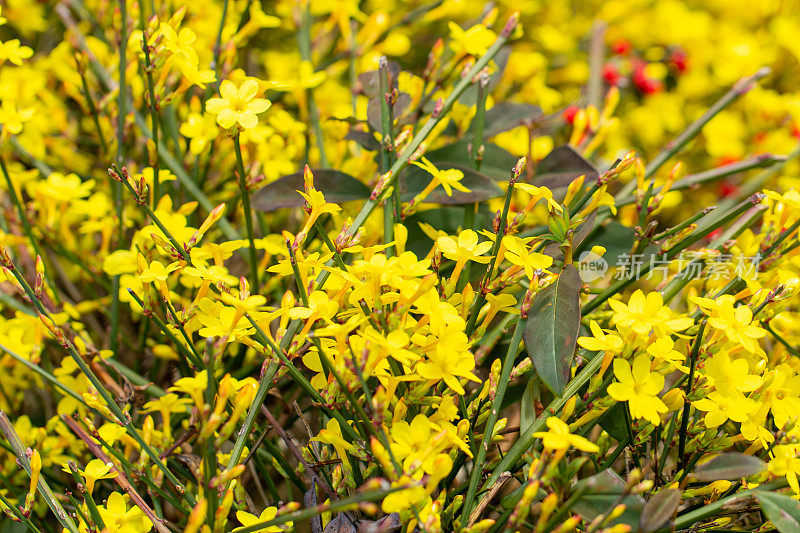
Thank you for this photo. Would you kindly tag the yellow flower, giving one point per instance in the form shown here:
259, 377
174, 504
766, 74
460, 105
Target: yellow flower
721, 407
732, 322
194, 386
237, 105
663, 349
644, 313
786, 463
166, 405
466, 248
449, 179
558, 437
726, 374
95, 471
12, 117
518, 254
474, 41
448, 365
119, 519
266, 515
12, 52
601, 341
639, 387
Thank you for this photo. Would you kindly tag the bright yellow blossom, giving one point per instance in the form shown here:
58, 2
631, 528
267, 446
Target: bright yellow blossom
237, 105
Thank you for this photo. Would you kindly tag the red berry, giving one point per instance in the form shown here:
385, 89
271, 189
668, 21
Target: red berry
569, 114
727, 189
611, 74
679, 60
621, 47
642, 82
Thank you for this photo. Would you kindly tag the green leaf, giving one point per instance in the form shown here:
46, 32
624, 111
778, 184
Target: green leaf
731, 466
659, 510
374, 109
497, 162
561, 166
364, 139
482, 187
507, 116
551, 329
337, 187
782, 511
602, 493
613, 422
583, 230
527, 406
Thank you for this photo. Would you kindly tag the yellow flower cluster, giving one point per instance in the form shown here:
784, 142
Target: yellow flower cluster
436, 266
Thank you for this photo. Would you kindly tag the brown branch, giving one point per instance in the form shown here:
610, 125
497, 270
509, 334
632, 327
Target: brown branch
120, 478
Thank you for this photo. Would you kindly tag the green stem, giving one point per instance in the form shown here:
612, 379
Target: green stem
248, 216
694, 517
498, 239
92, 109
122, 100
122, 417
23, 217
339, 505
304, 42
265, 380
687, 404
526, 439
740, 88
151, 87
494, 414
19, 448
476, 148
689, 182
387, 149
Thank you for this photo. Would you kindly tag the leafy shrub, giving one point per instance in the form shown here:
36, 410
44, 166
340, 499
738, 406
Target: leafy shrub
445, 291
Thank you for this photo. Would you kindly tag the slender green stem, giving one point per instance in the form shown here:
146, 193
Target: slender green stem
494, 414
189, 353
47, 376
122, 99
304, 42
19, 448
687, 404
122, 417
87, 497
498, 239
792, 350
13, 509
340, 505
92, 109
698, 515
708, 225
476, 148
760, 161
526, 439
265, 380
23, 217
218, 41
740, 88
150, 213
385, 95
248, 216
683, 225
152, 104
